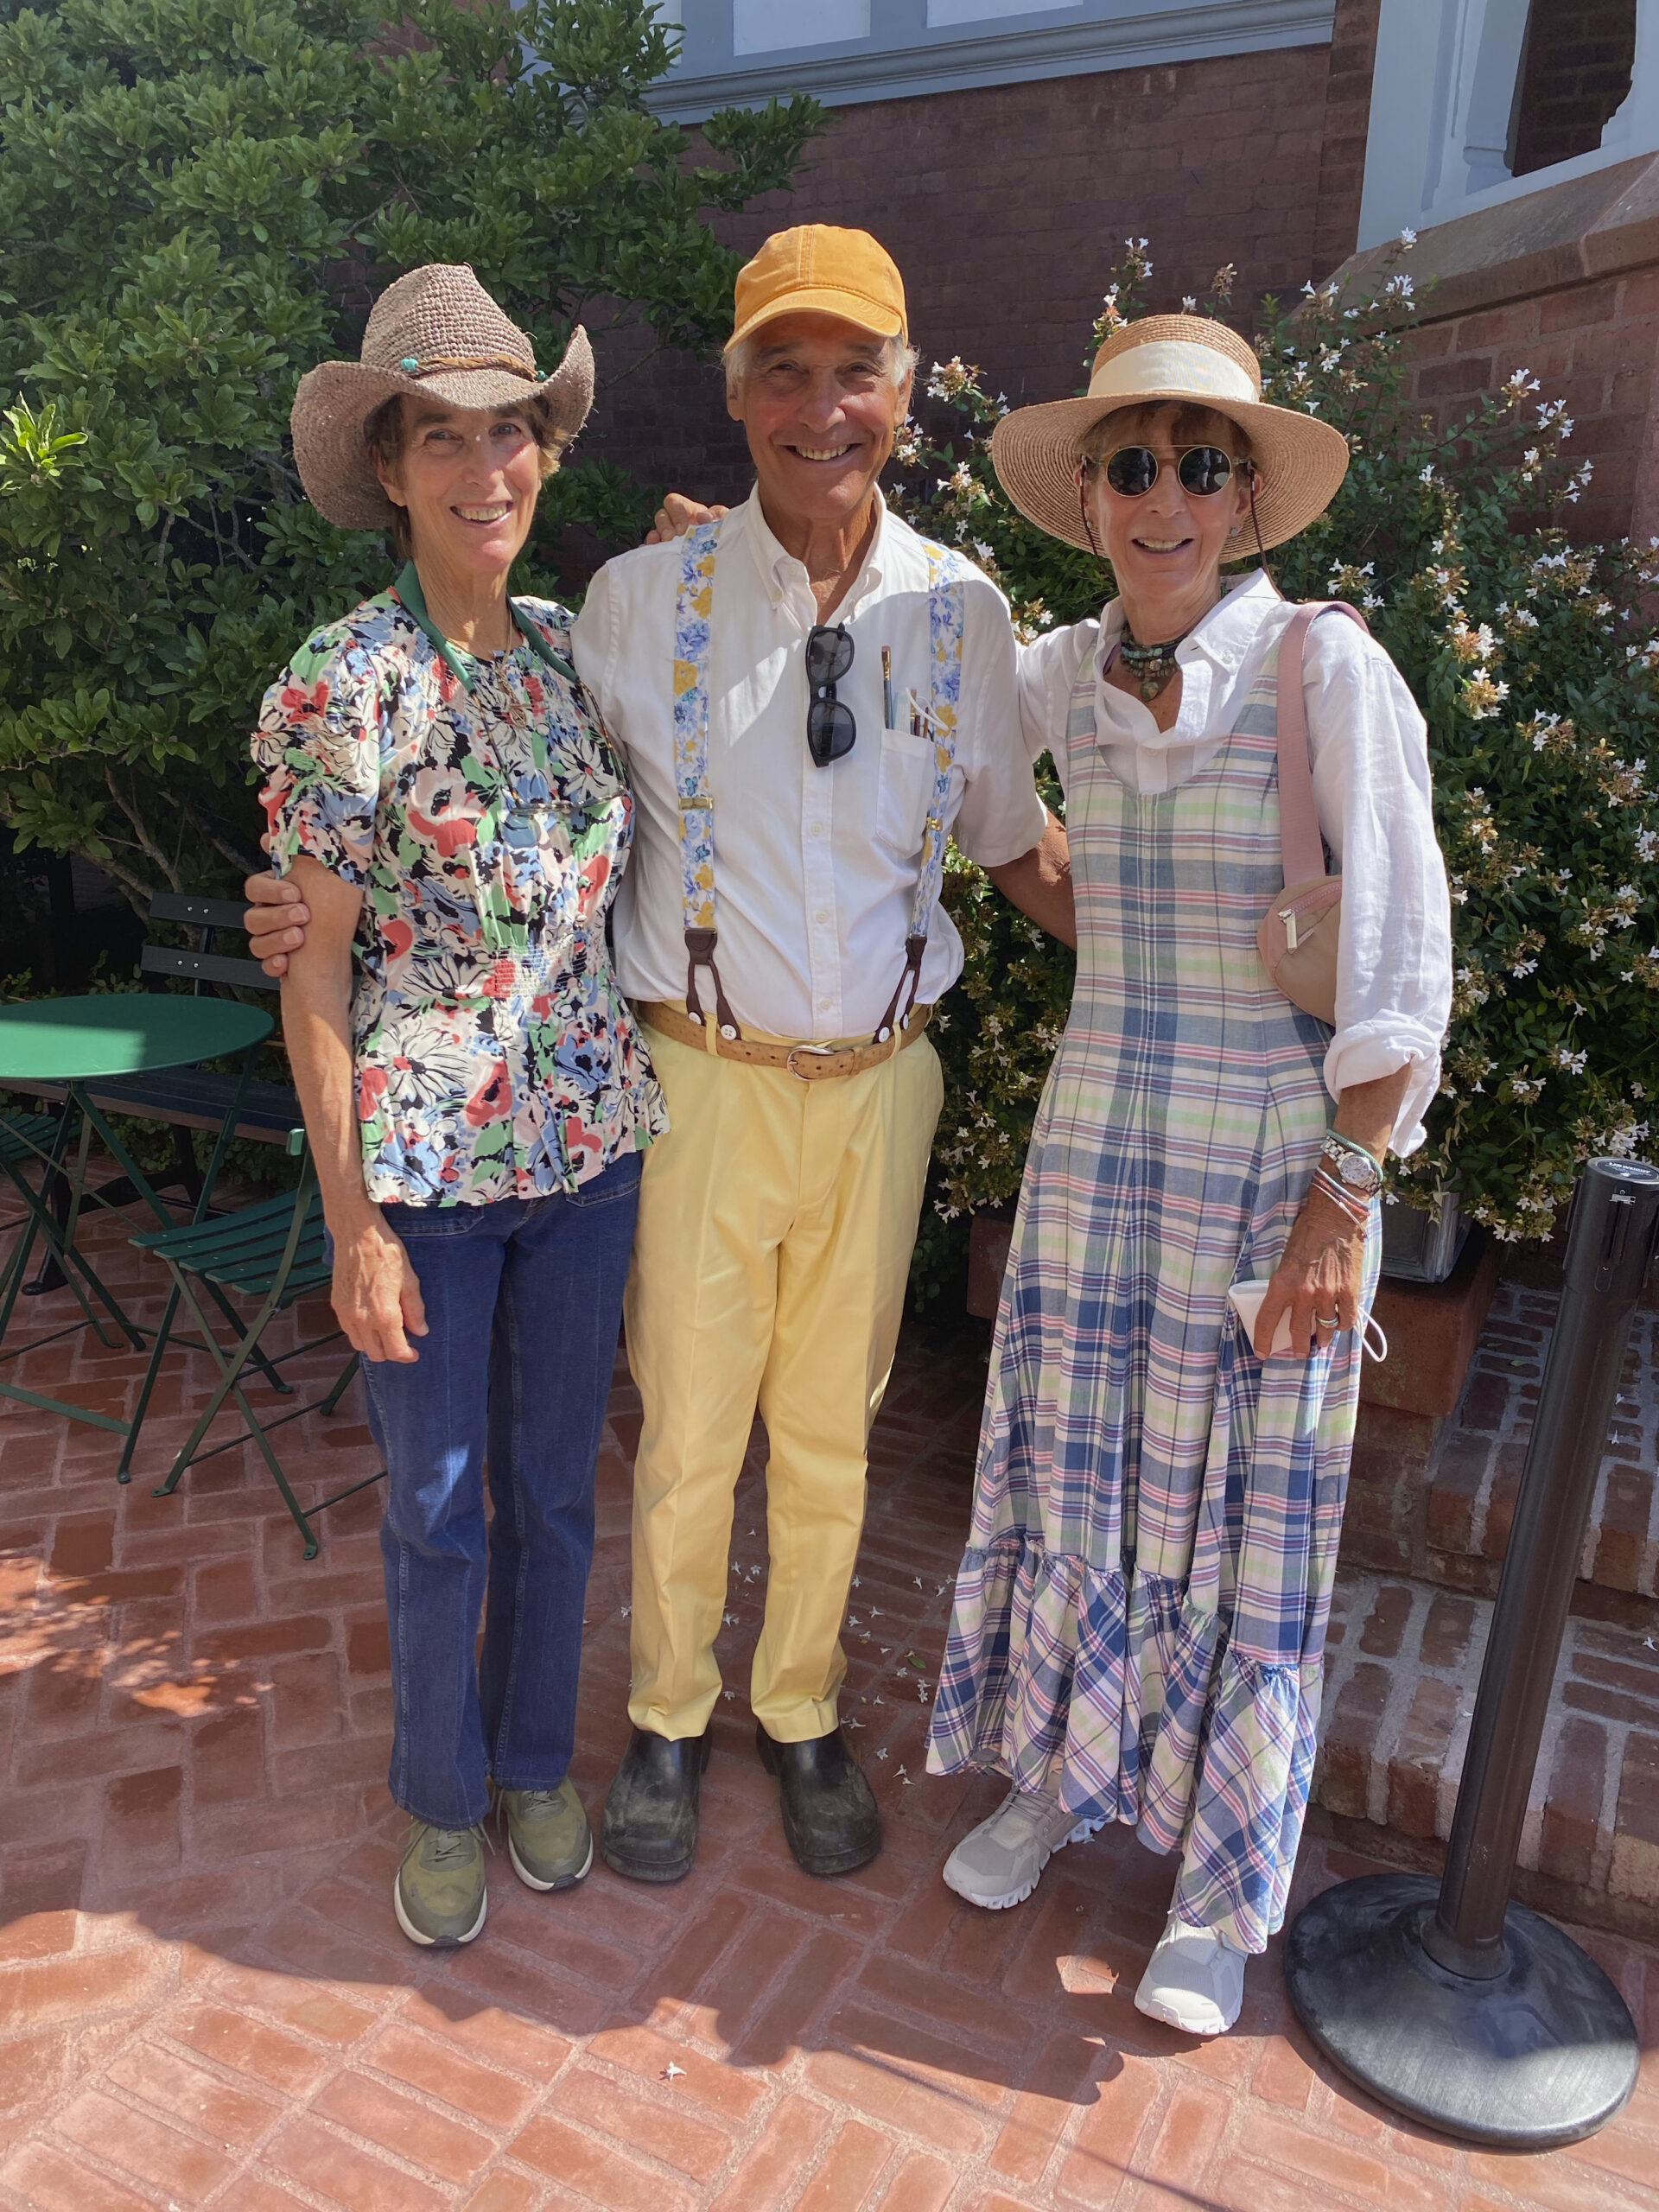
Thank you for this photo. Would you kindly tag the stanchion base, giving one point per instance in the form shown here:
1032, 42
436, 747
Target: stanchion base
1544, 2054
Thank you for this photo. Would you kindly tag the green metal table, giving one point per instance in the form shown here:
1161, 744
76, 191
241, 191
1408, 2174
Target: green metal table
78, 1043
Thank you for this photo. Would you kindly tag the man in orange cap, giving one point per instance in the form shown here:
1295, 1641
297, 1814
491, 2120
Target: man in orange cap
812, 698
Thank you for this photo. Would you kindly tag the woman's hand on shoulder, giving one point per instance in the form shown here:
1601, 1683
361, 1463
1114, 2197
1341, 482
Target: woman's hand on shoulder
376, 1294
679, 514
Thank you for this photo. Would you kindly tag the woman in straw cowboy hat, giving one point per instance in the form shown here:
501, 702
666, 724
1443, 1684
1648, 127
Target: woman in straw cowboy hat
475, 1093
1141, 1610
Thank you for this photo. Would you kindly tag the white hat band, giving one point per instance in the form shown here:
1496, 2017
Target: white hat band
1171, 366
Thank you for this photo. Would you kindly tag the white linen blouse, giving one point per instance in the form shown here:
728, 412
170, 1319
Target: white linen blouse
1368, 747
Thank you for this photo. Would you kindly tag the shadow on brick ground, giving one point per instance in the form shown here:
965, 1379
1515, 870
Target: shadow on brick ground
204, 1994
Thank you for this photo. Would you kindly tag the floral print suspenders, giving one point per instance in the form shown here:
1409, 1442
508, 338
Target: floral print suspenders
946, 599
692, 609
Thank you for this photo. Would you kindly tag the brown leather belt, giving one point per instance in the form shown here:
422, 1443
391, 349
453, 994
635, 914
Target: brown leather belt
808, 1063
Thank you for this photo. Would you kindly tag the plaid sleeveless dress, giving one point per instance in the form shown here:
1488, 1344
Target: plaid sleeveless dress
1140, 1611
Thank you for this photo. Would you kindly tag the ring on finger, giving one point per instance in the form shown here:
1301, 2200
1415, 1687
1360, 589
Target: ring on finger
1320, 1321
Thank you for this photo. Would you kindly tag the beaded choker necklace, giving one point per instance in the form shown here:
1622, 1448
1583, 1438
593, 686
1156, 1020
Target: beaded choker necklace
1154, 665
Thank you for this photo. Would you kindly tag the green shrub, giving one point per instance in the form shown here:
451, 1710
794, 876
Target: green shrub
1534, 661
197, 200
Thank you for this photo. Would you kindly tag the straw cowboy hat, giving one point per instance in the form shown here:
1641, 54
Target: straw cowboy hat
1164, 358
436, 332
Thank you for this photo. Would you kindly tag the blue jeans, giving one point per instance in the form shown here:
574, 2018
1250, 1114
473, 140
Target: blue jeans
524, 1303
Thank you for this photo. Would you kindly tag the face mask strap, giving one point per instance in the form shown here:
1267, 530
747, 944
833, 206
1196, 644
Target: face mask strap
1248, 467
1260, 550
1080, 477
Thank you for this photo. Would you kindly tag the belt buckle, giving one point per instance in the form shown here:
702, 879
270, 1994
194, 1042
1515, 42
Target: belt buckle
822, 1050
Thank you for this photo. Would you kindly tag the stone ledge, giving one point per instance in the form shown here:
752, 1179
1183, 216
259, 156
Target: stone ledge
1564, 234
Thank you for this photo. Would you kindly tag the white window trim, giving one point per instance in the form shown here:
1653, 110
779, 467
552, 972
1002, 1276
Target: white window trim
904, 58
1441, 96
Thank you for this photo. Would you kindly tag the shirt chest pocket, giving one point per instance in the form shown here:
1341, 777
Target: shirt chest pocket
909, 769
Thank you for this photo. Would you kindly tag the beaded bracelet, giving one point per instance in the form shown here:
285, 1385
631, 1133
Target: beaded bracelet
1328, 1186
1359, 1207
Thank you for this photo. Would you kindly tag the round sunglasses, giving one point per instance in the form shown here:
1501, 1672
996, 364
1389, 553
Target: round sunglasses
1202, 470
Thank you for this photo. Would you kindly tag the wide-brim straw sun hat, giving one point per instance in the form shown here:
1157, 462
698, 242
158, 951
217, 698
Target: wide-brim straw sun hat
435, 333
1160, 358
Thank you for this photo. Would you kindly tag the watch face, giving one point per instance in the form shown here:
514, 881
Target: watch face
1361, 1174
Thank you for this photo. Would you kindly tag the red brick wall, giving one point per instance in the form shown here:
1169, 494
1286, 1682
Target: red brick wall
1576, 71
1597, 347
1007, 207
1347, 118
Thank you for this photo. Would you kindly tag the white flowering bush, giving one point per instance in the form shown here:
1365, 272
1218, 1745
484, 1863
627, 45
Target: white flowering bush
1533, 659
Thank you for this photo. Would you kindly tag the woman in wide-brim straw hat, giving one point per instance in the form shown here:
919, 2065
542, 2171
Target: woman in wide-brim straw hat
476, 1092
1141, 1611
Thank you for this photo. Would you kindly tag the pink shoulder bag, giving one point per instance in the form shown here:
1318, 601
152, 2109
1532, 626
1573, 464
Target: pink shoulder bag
1299, 933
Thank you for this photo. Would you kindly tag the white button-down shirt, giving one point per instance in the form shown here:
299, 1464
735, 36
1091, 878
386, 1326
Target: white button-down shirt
815, 869
1369, 752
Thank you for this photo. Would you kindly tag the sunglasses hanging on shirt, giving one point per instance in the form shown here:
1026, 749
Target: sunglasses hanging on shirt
1203, 471
830, 729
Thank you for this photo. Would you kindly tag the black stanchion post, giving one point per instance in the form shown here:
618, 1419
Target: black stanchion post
1444, 1999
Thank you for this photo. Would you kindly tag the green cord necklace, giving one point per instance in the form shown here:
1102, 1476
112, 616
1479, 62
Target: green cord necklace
1154, 665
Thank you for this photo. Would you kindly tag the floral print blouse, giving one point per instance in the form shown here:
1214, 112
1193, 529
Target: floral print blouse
483, 811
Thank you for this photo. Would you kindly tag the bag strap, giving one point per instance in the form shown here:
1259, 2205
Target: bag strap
1300, 845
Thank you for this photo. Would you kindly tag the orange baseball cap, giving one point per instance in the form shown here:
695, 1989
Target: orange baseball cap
817, 269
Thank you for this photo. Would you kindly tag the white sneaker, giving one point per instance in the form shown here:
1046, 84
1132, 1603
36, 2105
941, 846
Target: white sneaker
999, 1863
1194, 1980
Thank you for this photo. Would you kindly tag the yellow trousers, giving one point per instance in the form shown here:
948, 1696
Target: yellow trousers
776, 1225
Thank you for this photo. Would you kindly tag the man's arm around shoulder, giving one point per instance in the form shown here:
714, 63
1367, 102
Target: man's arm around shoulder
1039, 884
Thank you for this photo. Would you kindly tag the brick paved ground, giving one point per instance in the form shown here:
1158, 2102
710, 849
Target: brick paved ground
204, 1999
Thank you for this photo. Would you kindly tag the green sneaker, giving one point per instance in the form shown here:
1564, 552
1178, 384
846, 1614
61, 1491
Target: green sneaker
549, 1839
440, 1895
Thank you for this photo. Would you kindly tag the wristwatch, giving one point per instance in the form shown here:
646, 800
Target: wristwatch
1353, 1167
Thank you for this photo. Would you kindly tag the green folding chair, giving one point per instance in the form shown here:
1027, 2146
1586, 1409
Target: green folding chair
273, 1255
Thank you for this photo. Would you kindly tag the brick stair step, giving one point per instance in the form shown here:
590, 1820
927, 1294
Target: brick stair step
1402, 1667
1475, 1474
1434, 1501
